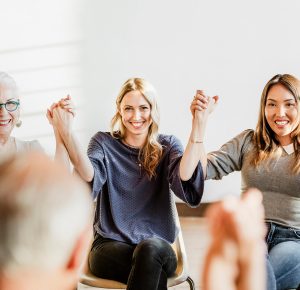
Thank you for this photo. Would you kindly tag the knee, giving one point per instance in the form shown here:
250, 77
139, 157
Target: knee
285, 253
151, 249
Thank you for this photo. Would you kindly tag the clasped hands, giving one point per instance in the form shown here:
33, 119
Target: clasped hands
61, 114
202, 104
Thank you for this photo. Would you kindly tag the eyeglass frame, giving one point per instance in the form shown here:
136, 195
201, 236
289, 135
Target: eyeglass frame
17, 102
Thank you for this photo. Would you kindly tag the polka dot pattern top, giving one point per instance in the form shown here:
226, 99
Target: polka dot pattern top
129, 206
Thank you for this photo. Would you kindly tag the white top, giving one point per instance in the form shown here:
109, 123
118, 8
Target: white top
289, 149
25, 146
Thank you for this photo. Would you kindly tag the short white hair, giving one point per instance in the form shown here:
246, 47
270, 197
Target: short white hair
8, 82
43, 212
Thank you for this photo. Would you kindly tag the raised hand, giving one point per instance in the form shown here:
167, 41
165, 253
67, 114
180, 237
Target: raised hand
237, 249
202, 105
67, 104
61, 115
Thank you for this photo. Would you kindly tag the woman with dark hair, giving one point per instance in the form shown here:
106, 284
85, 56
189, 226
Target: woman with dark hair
269, 159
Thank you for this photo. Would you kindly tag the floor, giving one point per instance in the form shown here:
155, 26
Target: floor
196, 240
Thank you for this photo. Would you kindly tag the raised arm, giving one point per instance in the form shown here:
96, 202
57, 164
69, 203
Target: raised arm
61, 153
201, 107
62, 116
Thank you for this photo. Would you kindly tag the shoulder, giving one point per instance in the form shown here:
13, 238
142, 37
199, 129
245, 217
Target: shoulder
102, 137
245, 140
168, 140
246, 135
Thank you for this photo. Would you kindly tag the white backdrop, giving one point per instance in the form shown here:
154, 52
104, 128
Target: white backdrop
230, 48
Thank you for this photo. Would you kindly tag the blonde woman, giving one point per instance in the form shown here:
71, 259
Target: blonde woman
269, 159
133, 171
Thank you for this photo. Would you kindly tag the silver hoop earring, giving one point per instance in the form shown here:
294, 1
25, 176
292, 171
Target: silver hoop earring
19, 124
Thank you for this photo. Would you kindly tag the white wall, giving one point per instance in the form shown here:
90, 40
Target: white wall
40, 47
230, 48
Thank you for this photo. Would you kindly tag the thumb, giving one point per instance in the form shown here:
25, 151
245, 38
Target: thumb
216, 99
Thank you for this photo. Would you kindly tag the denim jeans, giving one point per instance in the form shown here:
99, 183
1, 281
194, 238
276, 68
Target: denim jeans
283, 256
144, 266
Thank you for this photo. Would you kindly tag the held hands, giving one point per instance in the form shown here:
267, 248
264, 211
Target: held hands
202, 105
61, 114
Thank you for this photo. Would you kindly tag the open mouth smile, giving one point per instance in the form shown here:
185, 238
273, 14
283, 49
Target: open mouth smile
4, 122
137, 125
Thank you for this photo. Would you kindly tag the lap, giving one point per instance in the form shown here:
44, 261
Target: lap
111, 259
284, 255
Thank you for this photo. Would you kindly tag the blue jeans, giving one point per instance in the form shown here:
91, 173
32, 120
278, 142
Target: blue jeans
283, 257
144, 266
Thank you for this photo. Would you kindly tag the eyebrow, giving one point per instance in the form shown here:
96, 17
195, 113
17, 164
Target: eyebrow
287, 100
139, 105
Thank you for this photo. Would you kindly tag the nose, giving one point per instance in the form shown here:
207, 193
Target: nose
136, 114
281, 111
2, 108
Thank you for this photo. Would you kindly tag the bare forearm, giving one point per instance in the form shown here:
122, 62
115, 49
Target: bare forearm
61, 153
194, 151
78, 157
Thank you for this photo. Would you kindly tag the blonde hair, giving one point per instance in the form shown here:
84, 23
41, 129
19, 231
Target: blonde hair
151, 152
265, 141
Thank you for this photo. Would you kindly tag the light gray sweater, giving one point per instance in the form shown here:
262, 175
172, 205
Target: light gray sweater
274, 178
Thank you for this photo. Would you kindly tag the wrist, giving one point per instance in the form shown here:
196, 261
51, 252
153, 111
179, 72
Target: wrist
196, 141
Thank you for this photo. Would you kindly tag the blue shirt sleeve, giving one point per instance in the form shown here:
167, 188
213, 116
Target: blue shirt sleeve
189, 191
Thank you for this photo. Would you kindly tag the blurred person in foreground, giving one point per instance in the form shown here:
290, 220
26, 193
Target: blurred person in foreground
45, 217
236, 254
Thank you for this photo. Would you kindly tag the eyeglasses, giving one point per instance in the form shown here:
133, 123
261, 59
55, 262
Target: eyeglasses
10, 106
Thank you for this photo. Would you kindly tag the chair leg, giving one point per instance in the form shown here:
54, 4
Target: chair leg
191, 283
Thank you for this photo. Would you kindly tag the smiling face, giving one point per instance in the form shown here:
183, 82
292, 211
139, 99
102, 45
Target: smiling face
135, 112
7, 119
281, 112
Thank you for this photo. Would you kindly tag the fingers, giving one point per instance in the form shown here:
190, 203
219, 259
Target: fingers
49, 116
67, 104
237, 222
242, 219
216, 99
201, 102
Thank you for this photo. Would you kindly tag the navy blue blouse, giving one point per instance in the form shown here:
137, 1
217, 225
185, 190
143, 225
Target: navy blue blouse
130, 207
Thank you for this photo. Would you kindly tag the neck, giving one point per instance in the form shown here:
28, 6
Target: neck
7, 147
4, 140
285, 140
135, 141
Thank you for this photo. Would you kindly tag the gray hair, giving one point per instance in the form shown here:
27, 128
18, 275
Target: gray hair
43, 212
8, 81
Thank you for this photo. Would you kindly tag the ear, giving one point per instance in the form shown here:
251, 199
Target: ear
80, 250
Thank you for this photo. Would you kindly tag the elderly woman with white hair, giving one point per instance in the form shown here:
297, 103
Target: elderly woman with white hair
10, 117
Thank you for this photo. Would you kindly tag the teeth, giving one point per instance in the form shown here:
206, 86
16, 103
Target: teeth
281, 122
136, 124
4, 122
